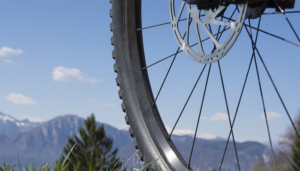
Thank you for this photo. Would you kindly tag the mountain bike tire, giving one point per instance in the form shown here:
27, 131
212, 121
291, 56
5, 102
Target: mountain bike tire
146, 126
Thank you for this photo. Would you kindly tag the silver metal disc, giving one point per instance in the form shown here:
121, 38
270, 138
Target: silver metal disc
193, 20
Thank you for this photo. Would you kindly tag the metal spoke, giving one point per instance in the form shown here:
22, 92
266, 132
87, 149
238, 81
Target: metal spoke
163, 59
287, 19
261, 93
236, 111
187, 102
199, 116
292, 27
286, 40
210, 30
273, 35
168, 70
221, 76
158, 25
231, 129
297, 132
262, 98
182, 50
166, 77
281, 13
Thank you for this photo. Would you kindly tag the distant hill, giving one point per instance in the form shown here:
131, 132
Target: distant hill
208, 154
49, 137
27, 138
10, 126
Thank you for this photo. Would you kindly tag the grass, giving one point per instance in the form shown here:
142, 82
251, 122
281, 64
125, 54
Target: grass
60, 167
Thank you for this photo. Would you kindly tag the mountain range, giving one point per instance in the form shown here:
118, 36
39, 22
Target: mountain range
27, 139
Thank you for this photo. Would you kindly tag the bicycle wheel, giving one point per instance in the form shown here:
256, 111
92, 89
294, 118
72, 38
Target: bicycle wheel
142, 115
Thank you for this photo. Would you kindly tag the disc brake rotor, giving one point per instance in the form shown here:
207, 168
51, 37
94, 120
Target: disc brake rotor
193, 19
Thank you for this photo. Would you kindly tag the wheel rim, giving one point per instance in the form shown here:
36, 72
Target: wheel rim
253, 60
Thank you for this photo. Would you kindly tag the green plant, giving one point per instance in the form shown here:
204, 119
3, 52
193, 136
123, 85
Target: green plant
295, 155
7, 167
259, 165
63, 166
46, 167
93, 149
287, 157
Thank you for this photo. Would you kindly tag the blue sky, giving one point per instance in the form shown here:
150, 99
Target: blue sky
55, 59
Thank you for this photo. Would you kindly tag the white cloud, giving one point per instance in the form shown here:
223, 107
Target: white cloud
103, 104
181, 132
219, 117
8, 61
124, 127
270, 115
20, 99
96, 101
6, 51
32, 118
216, 117
206, 136
204, 118
109, 105
61, 73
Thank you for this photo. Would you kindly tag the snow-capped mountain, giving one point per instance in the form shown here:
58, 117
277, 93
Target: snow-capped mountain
10, 126
50, 136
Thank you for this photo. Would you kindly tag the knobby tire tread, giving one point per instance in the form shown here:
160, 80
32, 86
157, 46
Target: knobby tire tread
145, 124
